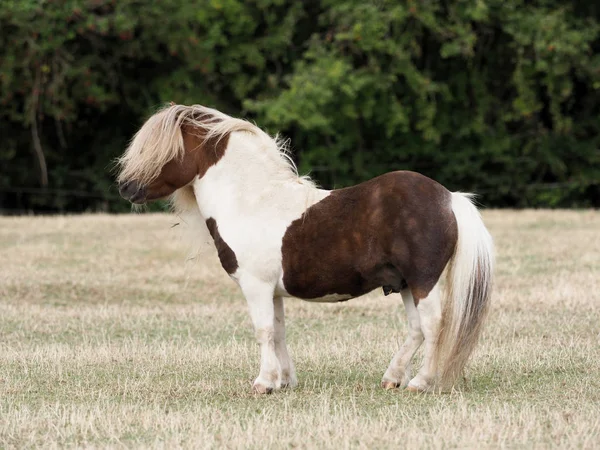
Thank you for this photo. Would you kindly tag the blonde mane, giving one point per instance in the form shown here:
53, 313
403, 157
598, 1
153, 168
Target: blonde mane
160, 140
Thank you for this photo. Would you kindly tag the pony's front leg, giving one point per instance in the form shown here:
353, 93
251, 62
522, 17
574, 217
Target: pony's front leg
259, 296
288, 372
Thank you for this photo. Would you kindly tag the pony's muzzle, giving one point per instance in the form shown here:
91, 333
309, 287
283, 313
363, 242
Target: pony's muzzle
132, 191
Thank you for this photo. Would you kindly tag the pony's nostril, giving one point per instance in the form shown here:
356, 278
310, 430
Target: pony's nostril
132, 191
128, 189
123, 185
139, 196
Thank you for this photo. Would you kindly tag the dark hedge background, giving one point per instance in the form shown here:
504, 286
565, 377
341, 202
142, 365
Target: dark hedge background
500, 97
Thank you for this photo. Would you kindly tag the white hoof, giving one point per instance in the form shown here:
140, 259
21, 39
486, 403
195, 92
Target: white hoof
389, 385
288, 381
260, 388
419, 385
264, 386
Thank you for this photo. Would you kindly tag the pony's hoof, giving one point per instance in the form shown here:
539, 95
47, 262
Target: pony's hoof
290, 383
261, 389
389, 385
421, 388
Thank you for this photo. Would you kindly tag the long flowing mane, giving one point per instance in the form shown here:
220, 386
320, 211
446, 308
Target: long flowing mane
160, 140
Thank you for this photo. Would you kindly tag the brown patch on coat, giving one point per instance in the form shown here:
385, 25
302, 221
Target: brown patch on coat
205, 152
395, 230
200, 154
226, 255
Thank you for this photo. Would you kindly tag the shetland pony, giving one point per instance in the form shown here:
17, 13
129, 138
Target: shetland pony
277, 235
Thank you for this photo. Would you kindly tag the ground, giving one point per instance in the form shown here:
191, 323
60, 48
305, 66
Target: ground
108, 337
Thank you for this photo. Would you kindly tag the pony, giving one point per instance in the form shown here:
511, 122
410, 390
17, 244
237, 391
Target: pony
278, 235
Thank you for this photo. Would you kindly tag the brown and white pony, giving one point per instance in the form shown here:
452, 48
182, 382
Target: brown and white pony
277, 235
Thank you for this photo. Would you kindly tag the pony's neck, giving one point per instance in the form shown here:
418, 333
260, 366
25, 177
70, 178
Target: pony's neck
251, 178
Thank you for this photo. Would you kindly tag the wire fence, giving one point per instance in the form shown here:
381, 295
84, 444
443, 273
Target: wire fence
103, 200
63, 192
110, 198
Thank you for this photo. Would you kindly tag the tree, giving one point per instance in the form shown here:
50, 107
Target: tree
499, 97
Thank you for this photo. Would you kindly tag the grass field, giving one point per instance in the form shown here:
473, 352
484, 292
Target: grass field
108, 338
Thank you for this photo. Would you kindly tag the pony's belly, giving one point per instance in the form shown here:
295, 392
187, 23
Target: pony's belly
280, 291
331, 298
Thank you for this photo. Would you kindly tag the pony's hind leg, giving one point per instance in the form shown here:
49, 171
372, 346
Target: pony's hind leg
430, 316
398, 372
288, 372
259, 296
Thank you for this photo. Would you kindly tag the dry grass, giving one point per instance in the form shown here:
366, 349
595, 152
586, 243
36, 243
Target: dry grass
109, 339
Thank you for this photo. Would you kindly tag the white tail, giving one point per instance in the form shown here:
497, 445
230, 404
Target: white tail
468, 290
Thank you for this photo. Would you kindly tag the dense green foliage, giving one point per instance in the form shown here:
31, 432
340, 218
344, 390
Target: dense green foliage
501, 97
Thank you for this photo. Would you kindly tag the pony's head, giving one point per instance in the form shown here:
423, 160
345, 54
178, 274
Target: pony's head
175, 146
